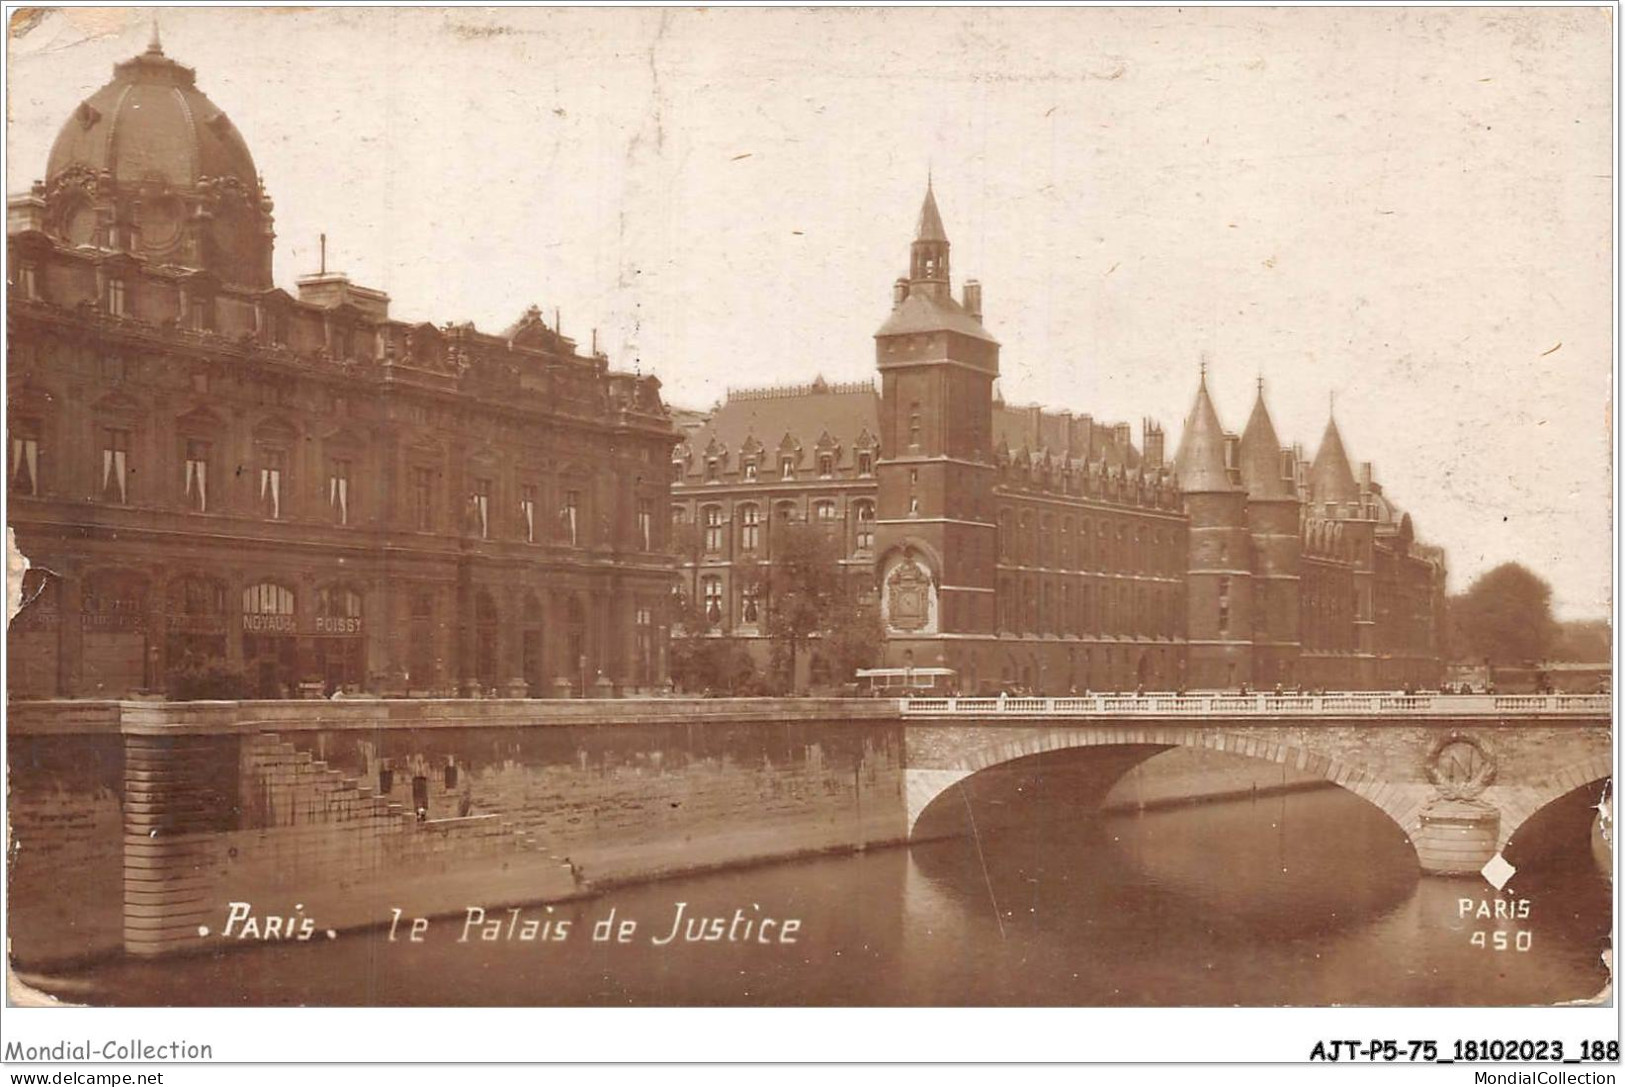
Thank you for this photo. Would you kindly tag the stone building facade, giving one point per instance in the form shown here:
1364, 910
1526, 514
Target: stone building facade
1042, 550
206, 468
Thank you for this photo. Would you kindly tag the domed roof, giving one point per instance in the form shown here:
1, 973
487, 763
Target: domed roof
151, 123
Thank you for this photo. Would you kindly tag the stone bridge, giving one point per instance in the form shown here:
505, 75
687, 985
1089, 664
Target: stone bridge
1459, 774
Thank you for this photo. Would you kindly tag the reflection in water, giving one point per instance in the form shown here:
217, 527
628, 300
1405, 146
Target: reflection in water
1305, 899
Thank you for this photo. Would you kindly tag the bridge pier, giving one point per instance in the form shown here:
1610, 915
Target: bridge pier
1456, 837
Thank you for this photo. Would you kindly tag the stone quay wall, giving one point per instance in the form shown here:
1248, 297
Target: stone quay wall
134, 825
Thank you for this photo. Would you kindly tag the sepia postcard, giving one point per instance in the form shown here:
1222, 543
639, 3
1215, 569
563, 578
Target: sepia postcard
911, 507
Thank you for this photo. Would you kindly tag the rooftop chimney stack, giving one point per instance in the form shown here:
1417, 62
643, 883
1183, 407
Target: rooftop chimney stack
973, 298
1152, 437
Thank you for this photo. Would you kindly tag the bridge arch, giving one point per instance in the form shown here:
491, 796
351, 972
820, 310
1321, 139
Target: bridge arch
1522, 804
1401, 802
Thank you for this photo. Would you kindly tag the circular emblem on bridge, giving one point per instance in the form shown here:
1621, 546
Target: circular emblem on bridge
1460, 768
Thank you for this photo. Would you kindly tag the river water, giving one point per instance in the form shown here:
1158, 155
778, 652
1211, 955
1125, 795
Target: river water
1310, 898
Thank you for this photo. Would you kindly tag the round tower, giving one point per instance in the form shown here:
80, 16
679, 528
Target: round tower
1218, 582
1336, 496
1274, 525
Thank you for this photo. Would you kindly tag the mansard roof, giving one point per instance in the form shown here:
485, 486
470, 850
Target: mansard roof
803, 414
1070, 437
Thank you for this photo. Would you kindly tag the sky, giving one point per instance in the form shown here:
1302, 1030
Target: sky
1409, 210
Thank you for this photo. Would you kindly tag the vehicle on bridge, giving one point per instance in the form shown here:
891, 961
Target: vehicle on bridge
904, 682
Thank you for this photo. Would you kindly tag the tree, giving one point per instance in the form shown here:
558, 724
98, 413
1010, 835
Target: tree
1588, 641
1505, 617
854, 634
803, 586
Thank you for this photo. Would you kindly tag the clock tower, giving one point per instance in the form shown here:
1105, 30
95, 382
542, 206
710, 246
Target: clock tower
937, 534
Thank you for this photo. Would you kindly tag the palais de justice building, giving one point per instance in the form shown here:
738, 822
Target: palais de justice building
204, 467
1026, 547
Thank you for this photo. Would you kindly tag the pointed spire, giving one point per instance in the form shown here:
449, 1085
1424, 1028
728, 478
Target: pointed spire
930, 227
1330, 477
1200, 462
155, 45
1260, 454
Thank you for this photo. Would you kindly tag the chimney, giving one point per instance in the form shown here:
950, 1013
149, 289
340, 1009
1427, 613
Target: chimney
332, 289
899, 291
25, 212
1365, 477
1152, 436
973, 298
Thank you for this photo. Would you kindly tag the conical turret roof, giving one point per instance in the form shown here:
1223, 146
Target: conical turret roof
1260, 456
929, 228
1330, 477
1200, 462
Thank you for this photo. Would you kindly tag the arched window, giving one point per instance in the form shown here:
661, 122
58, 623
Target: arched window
711, 592
192, 596
713, 529
864, 513
914, 427
272, 601
337, 602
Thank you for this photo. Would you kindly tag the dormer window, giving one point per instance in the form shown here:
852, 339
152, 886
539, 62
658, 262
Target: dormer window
866, 464
713, 470
826, 465
750, 471
677, 471
787, 468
